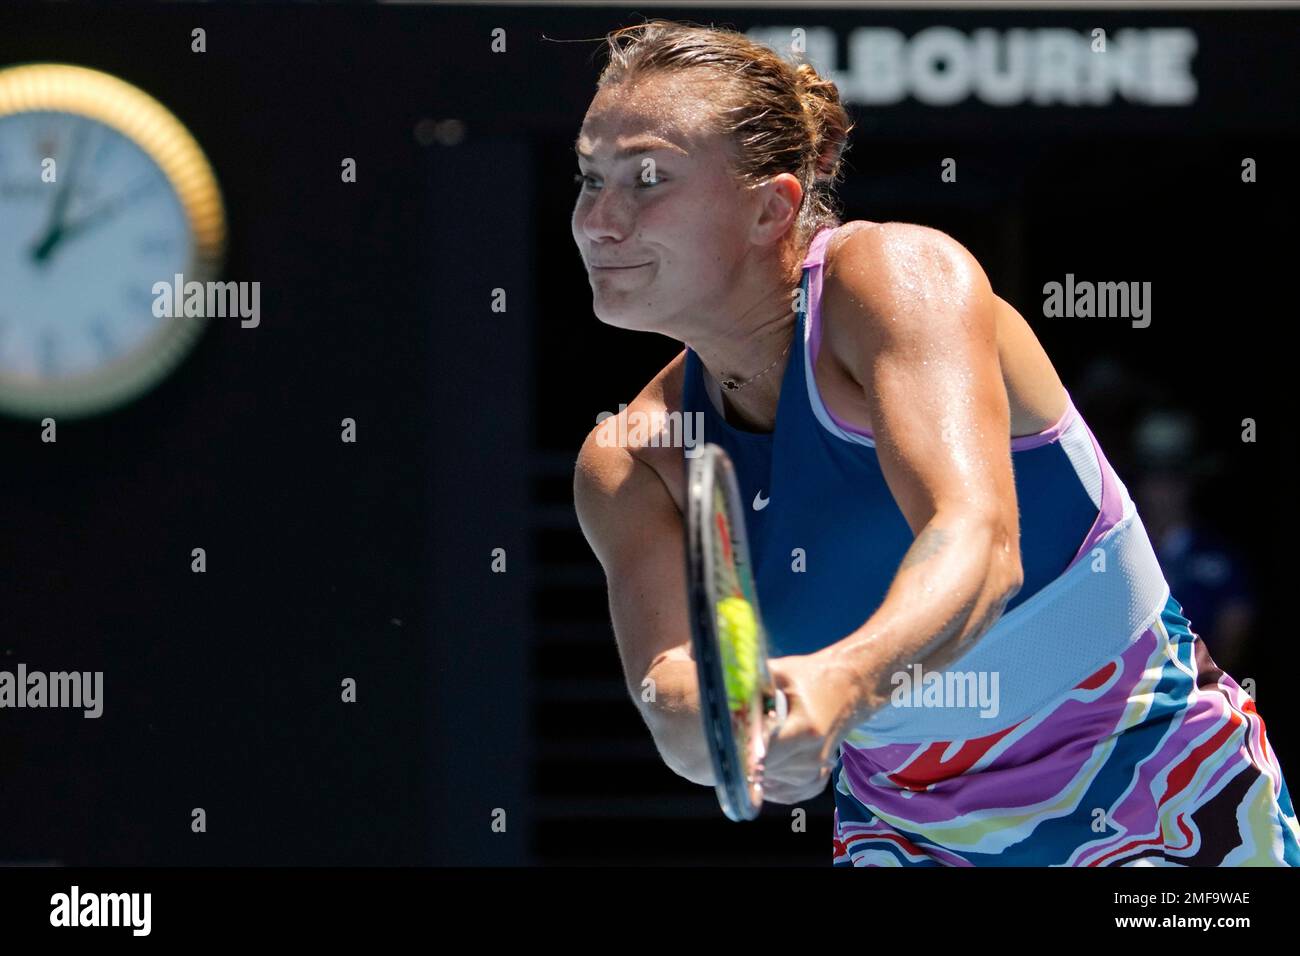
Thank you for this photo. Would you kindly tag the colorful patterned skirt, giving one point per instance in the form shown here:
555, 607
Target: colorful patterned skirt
1159, 758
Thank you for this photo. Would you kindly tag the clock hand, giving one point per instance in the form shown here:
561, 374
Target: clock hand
42, 250
59, 208
109, 208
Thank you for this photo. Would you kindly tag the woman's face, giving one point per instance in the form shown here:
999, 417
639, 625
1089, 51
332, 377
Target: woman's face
660, 222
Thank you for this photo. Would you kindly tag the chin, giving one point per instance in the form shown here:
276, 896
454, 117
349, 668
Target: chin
620, 319
621, 309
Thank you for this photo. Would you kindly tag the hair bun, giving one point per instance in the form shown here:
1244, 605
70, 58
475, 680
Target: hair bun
831, 126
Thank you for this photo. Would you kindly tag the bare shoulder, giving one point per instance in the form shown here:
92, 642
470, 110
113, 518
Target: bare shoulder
918, 287
619, 468
897, 262
900, 280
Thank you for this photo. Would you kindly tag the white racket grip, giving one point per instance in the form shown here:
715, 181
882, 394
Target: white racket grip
782, 709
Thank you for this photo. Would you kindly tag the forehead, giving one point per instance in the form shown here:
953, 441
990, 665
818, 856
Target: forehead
669, 112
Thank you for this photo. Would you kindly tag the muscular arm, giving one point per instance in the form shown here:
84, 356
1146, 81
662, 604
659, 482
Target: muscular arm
920, 328
635, 530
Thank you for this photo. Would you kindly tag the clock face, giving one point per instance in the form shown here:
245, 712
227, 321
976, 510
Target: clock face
103, 195
79, 256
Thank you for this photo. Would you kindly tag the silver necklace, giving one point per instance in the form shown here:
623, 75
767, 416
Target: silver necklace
731, 385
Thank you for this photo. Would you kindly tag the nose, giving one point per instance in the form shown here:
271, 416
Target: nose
605, 216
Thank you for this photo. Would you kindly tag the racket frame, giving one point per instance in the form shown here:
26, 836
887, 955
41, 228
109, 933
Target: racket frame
739, 796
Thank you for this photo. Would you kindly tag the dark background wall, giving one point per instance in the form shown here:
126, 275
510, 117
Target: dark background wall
478, 690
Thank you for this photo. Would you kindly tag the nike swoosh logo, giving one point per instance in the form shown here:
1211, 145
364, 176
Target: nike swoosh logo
760, 502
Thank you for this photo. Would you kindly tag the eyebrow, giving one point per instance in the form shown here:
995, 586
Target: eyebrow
636, 149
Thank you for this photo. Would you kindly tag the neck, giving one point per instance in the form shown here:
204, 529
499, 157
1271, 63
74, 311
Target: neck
748, 348
745, 335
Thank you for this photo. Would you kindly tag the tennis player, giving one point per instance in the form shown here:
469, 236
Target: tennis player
978, 647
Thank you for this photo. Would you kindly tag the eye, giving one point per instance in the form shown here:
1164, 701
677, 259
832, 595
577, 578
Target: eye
589, 182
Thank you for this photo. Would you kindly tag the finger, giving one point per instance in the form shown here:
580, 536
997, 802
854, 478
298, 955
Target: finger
791, 766
788, 779
776, 718
782, 709
780, 793
795, 756
785, 794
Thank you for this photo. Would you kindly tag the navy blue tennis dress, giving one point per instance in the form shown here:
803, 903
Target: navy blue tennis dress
1111, 738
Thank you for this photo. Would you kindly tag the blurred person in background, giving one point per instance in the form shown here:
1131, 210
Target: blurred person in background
1203, 568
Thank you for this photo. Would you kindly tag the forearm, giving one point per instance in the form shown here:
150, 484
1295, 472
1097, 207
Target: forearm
950, 588
673, 715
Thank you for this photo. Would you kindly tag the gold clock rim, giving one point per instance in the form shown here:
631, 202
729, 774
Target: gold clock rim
135, 114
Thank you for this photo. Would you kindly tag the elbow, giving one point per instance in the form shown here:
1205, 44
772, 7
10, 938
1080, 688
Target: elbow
1006, 572
1012, 579
680, 742
691, 770
1002, 579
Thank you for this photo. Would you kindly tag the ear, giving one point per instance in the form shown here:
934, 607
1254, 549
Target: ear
778, 207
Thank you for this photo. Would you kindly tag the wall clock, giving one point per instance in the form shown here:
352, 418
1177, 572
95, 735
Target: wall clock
133, 202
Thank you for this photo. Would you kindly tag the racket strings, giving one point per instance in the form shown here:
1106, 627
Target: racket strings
725, 578
737, 623
733, 644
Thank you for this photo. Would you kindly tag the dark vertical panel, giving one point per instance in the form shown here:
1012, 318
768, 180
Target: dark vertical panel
480, 196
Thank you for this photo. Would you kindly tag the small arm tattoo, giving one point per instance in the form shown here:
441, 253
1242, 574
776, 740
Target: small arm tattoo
927, 544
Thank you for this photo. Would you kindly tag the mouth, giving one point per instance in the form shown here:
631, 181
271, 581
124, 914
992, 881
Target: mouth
618, 268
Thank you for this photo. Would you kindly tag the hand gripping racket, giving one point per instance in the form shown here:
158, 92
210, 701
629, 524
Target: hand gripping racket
739, 703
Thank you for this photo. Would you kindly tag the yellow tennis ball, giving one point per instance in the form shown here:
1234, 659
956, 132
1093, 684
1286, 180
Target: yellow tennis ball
738, 638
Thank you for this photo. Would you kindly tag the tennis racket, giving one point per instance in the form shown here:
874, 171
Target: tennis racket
739, 703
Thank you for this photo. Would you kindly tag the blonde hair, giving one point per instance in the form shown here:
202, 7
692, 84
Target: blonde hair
780, 117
